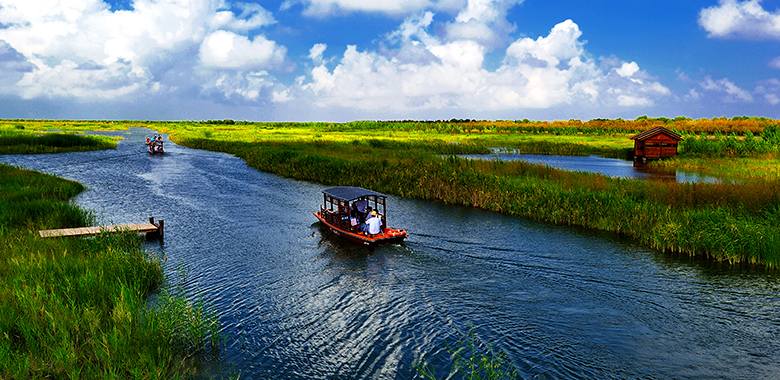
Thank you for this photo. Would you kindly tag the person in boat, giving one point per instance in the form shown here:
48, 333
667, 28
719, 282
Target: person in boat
359, 213
374, 223
363, 226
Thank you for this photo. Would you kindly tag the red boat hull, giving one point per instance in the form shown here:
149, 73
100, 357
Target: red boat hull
389, 236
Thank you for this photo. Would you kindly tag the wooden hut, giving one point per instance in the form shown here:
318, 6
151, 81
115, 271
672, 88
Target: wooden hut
655, 143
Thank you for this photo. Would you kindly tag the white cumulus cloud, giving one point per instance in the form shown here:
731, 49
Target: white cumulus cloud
252, 16
740, 19
84, 50
733, 92
536, 73
483, 21
774, 63
324, 8
627, 69
769, 90
225, 49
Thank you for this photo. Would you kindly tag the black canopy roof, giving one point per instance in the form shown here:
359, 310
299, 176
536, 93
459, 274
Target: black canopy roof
348, 193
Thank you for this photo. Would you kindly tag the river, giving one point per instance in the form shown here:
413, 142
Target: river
296, 303
608, 166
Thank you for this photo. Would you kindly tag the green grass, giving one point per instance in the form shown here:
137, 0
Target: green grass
728, 222
76, 308
13, 142
762, 166
472, 360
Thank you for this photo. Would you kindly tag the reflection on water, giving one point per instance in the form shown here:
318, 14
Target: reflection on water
608, 166
296, 303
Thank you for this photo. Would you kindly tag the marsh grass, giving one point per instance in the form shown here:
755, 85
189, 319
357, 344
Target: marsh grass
729, 222
725, 222
472, 360
13, 142
75, 308
718, 145
762, 166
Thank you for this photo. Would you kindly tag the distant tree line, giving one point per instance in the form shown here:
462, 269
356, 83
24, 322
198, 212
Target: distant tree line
219, 122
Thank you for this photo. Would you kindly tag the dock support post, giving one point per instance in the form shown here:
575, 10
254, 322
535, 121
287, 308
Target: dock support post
160, 229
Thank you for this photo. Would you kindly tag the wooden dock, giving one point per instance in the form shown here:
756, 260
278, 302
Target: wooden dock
150, 227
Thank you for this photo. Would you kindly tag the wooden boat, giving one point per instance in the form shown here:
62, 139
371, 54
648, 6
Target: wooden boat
155, 144
343, 211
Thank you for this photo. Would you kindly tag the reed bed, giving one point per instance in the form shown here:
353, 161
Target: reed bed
718, 145
764, 166
738, 125
473, 360
729, 222
12, 142
75, 308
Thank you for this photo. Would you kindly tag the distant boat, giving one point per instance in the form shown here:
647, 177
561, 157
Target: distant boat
345, 210
155, 144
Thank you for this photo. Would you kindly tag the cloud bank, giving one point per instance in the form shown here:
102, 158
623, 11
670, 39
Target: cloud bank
436, 59
430, 72
736, 19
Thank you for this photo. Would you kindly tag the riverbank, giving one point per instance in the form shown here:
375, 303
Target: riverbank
728, 222
27, 137
76, 308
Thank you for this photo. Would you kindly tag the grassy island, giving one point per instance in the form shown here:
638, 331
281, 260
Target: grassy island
25, 138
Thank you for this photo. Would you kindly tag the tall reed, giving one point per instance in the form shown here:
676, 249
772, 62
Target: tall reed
722, 221
75, 308
12, 142
472, 360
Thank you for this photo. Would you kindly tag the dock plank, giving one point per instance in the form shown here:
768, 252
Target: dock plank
96, 230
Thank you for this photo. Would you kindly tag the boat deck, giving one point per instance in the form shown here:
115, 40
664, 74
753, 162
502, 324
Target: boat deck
388, 235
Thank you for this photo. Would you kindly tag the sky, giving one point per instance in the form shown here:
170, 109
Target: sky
346, 60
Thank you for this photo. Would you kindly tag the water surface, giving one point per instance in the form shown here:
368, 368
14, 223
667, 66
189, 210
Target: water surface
608, 166
295, 303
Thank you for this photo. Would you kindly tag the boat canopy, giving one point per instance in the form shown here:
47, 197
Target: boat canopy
349, 193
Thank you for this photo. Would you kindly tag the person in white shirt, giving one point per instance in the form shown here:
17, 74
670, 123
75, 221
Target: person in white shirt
374, 224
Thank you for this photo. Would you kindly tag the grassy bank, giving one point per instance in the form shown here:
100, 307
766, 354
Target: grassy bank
731, 222
76, 308
704, 138
15, 142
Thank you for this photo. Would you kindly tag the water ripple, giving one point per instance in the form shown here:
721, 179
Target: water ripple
297, 303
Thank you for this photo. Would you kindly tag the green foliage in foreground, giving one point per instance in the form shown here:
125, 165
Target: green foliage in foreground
738, 223
27, 143
473, 361
75, 308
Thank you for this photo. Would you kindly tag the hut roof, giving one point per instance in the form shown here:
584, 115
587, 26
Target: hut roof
655, 131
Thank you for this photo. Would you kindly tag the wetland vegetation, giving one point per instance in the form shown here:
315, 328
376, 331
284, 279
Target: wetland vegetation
77, 308
63, 322
734, 222
19, 138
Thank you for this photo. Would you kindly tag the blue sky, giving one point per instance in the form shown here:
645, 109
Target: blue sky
343, 60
